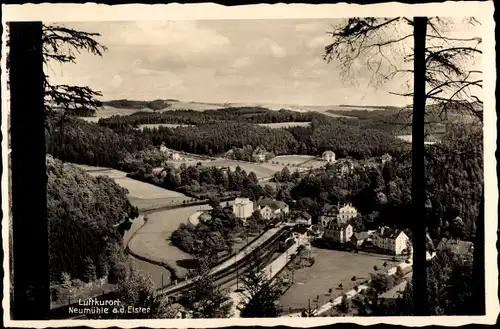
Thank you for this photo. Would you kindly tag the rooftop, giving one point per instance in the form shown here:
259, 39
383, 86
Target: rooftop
456, 246
389, 233
273, 204
361, 235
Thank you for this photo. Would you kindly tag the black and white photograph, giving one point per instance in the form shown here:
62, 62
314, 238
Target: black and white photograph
324, 163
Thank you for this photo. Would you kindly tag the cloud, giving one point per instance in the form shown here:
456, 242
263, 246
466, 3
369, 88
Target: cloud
319, 42
267, 46
242, 62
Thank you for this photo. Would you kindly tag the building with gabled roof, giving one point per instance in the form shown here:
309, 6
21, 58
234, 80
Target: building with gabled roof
270, 208
391, 240
358, 238
338, 233
328, 156
303, 218
331, 213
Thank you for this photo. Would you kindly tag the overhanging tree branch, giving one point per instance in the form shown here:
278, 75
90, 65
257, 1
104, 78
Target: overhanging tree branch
62, 45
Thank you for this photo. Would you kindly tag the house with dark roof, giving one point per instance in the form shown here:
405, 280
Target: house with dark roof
328, 214
338, 233
303, 218
458, 247
392, 241
358, 238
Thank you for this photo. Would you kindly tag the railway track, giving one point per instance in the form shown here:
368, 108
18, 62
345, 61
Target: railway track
226, 274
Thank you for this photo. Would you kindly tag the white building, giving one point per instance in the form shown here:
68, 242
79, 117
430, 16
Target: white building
270, 209
328, 156
242, 208
267, 212
175, 156
163, 148
393, 241
340, 233
346, 213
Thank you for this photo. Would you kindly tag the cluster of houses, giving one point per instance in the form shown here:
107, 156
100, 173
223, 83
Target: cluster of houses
269, 209
334, 227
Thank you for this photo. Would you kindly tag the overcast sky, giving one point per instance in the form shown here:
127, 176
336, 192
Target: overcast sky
268, 61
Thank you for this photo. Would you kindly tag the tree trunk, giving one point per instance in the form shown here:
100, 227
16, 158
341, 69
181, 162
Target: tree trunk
478, 270
29, 179
418, 172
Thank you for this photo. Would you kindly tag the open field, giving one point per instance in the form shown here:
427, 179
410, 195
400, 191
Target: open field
331, 268
152, 241
189, 162
262, 170
142, 195
157, 125
284, 124
314, 164
108, 111
291, 159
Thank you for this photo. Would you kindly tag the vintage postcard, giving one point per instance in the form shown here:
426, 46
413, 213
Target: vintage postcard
178, 166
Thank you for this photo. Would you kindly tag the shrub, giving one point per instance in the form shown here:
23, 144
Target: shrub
77, 283
117, 273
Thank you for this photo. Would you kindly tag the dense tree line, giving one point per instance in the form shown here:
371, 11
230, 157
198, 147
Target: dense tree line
219, 137
191, 117
208, 237
200, 181
158, 104
326, 134
84, 215
74, 140
345, 139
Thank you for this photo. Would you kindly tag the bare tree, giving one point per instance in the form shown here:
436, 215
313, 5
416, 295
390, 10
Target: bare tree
442, 76
383, 47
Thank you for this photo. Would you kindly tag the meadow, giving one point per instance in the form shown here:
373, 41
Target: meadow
142, 195
262, 170
331, 268
291, 159
152, 241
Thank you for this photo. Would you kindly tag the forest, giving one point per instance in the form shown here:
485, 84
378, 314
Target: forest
74, 140
192, 117
214, 132
84, 214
